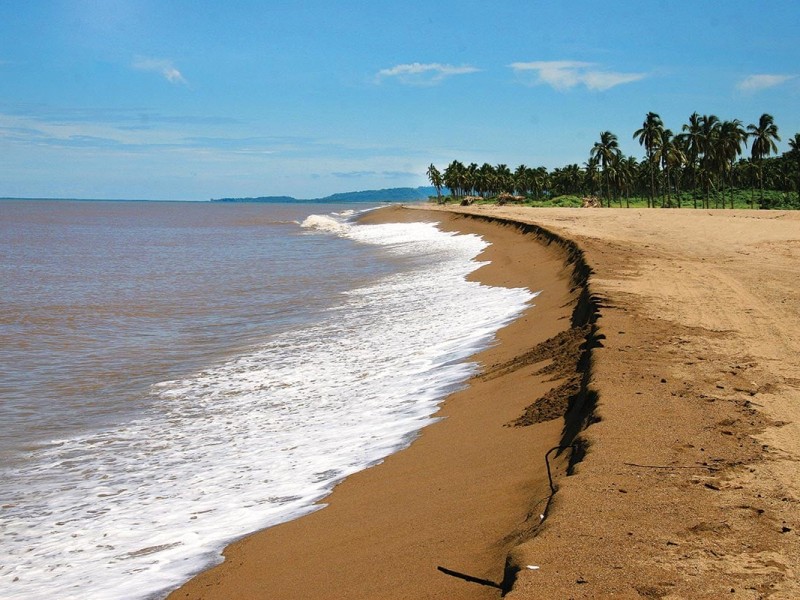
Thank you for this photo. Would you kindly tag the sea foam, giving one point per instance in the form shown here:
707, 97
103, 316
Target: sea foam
134, 510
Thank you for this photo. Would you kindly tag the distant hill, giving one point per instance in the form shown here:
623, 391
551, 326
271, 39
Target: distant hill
385, 195
276, 199
406, 194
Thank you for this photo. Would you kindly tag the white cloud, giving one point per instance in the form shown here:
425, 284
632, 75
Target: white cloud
563, 75
159, 65
560, 74
604, 80
61, 132
756, 83
423, 74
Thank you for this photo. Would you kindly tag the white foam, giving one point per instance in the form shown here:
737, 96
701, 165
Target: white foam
135, 510
325, 223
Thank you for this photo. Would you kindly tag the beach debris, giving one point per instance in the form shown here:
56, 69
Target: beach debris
506, 198
590, 202
469, 578
533, 567
547, 463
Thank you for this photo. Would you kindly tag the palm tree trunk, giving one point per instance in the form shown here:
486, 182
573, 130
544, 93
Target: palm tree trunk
798, 180
798, 183
730, 187
669, 198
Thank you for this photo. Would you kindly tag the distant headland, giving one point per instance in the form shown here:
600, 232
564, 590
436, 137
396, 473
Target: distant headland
403, 194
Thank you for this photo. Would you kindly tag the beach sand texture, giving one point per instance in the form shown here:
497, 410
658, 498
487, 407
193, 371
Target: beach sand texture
677, 363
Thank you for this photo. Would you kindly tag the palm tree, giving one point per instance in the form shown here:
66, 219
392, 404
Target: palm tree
649, 136
669, 154
680, 165
505, 180
435, 177
729, 146
794, 144
571, 178
783, 177
708, 134
764, 136
626, 170
521, 180
691, 141
471, 177
454, 178
591, 175
606, 152
485, 180
538, 180
558, 181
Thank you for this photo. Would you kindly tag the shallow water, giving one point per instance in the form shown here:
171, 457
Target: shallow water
174, 375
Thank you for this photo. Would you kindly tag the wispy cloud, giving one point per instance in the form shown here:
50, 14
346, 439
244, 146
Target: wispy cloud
381, 174
756, 83
423, 74
133, 132
159, 65
353, 174
563, 75
132, 129
60, 132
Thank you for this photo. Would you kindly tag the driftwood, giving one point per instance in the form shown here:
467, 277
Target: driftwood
506, 198
591, 202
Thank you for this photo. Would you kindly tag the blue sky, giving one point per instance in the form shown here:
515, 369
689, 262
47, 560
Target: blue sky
192, 100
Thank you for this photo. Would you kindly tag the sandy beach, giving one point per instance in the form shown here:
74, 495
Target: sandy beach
662, 354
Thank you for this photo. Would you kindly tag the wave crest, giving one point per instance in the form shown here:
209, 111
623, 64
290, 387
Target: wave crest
325, 223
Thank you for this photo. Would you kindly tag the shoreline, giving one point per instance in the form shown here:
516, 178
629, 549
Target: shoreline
464, 493
689, 485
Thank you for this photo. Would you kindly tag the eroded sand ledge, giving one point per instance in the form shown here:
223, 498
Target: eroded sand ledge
690, 487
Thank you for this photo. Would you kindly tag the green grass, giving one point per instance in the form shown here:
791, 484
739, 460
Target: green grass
741, 200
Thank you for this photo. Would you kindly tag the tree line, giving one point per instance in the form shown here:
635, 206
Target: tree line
701, 164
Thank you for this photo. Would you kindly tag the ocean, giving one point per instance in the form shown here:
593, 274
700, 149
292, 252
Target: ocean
174, 376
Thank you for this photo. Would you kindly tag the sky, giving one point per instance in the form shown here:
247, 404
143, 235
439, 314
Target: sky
191, 100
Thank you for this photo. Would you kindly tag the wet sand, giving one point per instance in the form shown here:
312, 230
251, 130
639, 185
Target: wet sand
675, 363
